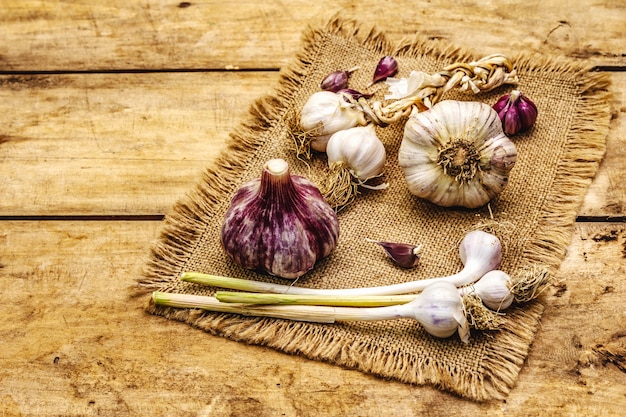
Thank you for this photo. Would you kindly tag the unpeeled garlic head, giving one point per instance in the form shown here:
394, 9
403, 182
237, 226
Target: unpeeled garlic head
326, 113
359, 149
456, 154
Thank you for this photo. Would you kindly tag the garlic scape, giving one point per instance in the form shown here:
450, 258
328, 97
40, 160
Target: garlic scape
480, 252
279, 223
439, 310
323, 114
456, 154
355, 155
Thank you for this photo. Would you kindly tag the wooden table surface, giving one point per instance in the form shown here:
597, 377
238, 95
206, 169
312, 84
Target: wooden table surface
110, 110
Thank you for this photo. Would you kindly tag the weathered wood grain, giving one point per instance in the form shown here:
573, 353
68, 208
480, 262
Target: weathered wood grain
97, 120
74, 343
115, 143
607, 193
160, 34
133, 144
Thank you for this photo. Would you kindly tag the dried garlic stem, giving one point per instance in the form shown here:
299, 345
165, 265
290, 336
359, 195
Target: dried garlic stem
483, 75
530, 284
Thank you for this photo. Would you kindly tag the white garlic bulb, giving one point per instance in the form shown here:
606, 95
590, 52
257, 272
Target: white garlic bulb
359, 150
456, 154
325, 113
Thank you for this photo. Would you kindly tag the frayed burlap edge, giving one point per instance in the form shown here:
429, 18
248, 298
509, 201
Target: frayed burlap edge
185, 224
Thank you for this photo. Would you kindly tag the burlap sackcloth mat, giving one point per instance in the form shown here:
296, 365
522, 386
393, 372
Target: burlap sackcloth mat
557, 160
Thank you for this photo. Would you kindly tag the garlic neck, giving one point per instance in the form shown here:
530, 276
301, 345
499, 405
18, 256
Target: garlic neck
276, 183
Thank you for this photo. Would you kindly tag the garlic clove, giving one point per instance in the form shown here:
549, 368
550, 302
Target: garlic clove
279, 223
387, 67
335, 81
355, 95
402, 254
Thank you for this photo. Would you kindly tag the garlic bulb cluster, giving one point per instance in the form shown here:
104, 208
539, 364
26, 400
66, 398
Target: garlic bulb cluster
517, 112
456, 154
325, 113
279, 223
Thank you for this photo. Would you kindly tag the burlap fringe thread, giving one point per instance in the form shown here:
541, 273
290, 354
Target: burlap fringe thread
184, 225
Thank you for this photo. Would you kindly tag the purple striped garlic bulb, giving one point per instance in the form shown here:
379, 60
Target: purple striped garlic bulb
279, 223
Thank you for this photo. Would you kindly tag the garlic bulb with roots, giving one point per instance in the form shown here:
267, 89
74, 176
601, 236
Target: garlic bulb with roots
325, 113
355, 155
438, 309
494, 290
279, 223
456, 154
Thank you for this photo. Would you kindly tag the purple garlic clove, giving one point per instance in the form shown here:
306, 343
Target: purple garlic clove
387, 67
517, 112
336, 80
402, 254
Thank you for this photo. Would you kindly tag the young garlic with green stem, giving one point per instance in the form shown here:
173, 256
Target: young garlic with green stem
355, 155
456, 154
438, 309
279, 223
480, 252
497, 290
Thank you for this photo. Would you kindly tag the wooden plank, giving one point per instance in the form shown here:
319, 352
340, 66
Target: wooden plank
74, 343
115, 143
158, 34
607, 194
120, 144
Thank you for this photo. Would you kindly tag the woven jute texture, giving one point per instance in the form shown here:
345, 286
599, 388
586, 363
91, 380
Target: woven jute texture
557, 160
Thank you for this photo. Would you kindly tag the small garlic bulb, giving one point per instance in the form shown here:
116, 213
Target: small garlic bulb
439, 309
279, 223
494, 289
456, 154
325, 113
359, 150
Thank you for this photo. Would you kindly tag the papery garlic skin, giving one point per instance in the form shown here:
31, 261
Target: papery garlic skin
494, 289
279, 223
517, 112
439, 309
481, 252
407, 87
456, 154
325, 113
359, 149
